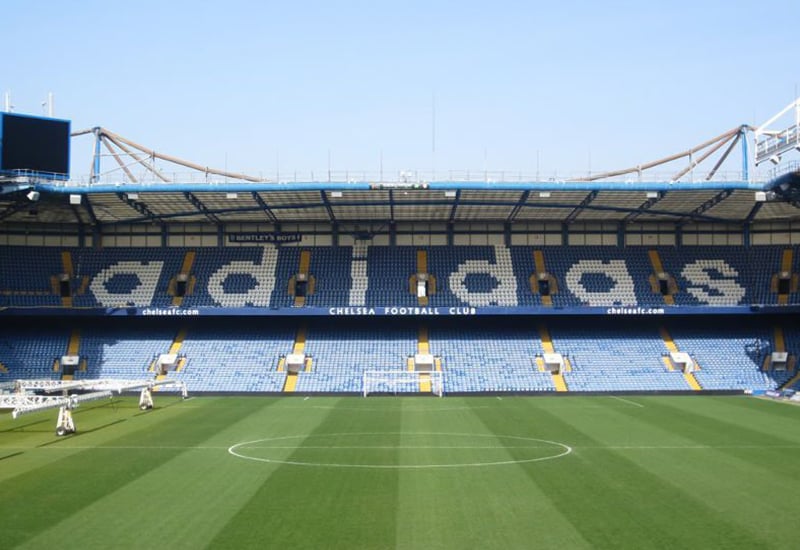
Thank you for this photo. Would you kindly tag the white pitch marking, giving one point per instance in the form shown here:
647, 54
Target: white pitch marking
626, 401
396, 447
399, 447
118, 448
567, 450
385, 410
681, 447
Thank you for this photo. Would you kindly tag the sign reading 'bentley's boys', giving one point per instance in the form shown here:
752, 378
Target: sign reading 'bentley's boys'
276, 237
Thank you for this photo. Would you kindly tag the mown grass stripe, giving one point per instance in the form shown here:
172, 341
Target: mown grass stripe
764, 415
185, 500
725, 429
347, 508
608, 498
716, 473
36, 500
488, 507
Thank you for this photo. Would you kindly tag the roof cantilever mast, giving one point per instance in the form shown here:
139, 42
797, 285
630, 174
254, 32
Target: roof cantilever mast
134, 150
714, 144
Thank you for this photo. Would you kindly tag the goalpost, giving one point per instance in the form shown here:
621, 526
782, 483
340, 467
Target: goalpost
403, 381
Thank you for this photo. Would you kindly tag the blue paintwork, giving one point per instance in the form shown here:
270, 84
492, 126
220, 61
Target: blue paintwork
431, 186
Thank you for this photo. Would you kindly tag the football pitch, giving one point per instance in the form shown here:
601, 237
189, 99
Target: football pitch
405, 472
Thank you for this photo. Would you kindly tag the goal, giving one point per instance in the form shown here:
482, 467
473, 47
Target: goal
403, 381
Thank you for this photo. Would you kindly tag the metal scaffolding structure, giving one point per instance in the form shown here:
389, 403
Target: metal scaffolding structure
31, 396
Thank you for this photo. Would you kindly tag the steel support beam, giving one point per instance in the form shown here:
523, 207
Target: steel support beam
265, 207
197, 203
77, 215
705, 206
14, 208
646, 205
587, 200
87, 204
523, 198
141, 208
456, 203
327, 205
753, 213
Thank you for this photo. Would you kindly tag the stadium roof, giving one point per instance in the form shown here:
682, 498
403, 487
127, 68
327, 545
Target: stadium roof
326, 202
689, 194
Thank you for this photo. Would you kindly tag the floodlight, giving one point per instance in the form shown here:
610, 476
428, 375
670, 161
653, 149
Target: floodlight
775, 159
74, 199
33, 196
766, 196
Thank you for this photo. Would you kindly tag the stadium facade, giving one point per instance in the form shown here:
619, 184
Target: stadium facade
500, 286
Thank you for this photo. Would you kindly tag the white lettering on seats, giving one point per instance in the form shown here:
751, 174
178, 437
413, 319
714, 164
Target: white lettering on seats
358, 274
141, 295
620, 293
504, 294
727, 290
263, 273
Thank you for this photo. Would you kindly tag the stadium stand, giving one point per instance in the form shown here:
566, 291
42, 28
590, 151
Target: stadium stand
491, 356
476, 276
475, 355
730, 356
791, 378
501, 283
342, 354
128, 354
239, 357
25, 276
26, 354
608, 359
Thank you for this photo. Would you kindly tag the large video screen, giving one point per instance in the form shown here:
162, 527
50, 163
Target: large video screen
33, 144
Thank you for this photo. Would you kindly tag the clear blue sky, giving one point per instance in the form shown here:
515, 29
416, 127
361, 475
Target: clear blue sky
598, 85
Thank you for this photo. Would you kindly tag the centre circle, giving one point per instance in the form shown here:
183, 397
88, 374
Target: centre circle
396, 451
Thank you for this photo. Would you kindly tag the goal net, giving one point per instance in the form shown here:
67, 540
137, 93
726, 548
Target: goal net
403, 381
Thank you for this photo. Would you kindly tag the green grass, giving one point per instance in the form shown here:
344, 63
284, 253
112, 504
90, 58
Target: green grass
641, 472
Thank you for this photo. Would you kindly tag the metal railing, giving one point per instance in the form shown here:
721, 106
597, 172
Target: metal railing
777, 144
